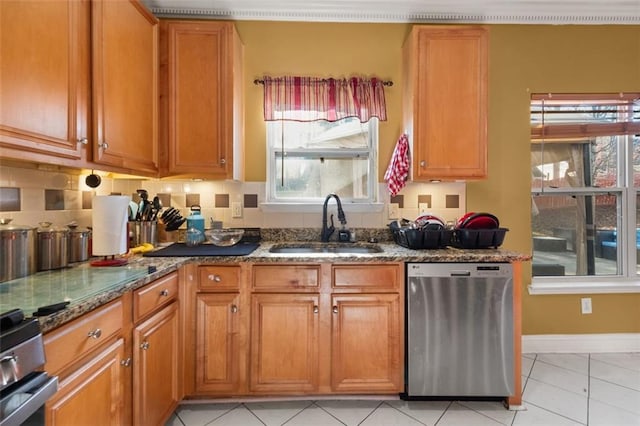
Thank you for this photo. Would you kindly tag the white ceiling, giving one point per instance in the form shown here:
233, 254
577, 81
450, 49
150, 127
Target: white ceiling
466, 11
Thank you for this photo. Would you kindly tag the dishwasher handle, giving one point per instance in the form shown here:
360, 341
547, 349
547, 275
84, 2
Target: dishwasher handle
460, 273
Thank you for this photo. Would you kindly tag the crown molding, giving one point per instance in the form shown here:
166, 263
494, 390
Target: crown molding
594, 18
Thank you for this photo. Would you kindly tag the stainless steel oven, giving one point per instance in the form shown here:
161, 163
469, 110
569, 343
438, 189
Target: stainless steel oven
24, 387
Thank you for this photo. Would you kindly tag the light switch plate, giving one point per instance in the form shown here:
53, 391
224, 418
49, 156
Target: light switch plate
424, 208
394, 211
236, 209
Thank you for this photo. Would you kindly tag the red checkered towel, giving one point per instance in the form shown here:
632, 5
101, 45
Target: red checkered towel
398, 170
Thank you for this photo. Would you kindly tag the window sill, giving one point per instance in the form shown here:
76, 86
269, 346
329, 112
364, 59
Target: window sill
562, 285
317, 207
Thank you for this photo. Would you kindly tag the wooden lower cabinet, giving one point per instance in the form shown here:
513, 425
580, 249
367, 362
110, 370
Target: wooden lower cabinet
217, 343
93, 394
155, 367
296, 329
366, 343
116, 371
284, 343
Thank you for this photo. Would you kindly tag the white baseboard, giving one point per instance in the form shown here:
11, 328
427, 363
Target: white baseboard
581, 343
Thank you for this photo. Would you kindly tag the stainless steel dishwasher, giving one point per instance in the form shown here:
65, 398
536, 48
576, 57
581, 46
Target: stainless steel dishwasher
459, 330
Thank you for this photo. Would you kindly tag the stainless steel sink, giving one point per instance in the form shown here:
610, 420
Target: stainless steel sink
309, 248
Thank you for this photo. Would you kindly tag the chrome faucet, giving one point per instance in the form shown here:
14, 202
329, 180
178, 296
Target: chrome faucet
327, 231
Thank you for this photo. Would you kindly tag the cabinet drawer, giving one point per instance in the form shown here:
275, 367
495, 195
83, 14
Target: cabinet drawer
76, 339
158, 293
366, 276
285, 276
219, 278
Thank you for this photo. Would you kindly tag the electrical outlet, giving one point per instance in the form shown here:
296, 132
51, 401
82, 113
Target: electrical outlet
236, 209
585, 305
424, 208
394, 211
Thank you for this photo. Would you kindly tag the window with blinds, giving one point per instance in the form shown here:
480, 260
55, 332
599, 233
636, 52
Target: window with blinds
585, 175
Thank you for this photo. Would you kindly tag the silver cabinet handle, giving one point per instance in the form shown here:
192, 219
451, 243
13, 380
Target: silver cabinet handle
144, 345
83, 141
164, 293
315, 309
125, 362
215, 278
335, 309
423, 163
234, 309
223, 161
94, 334
103, 145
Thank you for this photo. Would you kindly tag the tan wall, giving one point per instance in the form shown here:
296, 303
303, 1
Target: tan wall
528, 59
319, 49
524, 59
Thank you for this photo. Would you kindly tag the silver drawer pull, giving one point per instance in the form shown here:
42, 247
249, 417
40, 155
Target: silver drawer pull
144, 345
83, 141
95, 334
335, 309
316, 309
216, 278
164, 293
234, 309
125, 362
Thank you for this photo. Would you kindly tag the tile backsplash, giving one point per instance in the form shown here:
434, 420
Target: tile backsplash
31, 195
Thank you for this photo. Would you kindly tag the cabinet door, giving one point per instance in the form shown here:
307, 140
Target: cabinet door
155, 367
44, 78
93, 394
449, 101
202, 114
366, 343
284, 343
217, 343
125, 69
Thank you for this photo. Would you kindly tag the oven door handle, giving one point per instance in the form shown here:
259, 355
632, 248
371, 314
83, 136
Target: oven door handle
39, 389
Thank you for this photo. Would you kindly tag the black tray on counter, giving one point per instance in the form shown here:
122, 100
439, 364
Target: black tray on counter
183, 250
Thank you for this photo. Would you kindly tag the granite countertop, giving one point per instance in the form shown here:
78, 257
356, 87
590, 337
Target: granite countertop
86, 287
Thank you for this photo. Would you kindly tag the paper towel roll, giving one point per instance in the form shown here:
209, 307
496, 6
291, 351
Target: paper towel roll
109, 218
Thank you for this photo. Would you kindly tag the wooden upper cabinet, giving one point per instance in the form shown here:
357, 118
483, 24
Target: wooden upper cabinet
201, 132
125, 86
445, 101
44, 79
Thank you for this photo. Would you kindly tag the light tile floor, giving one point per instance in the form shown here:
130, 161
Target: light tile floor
558, 389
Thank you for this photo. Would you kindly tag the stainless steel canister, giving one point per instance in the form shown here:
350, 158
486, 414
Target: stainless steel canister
141, 232
17, 250
78, 244
52, 245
